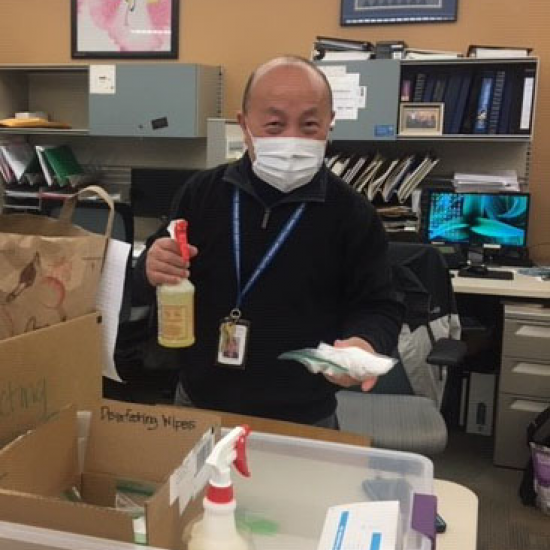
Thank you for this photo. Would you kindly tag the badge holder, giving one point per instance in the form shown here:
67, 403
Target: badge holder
233, 341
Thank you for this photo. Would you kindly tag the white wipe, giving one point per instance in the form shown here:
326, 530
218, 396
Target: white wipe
353, 361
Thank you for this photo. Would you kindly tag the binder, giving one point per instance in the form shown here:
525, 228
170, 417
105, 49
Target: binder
462, 102
439, 89
527, 98
507, 96
496, 102
451, 99
481, 122
429, 88
470, 110
419, 86
406, 90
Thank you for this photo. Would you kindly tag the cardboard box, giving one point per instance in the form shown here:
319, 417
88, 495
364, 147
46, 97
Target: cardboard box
47, 369
161, 447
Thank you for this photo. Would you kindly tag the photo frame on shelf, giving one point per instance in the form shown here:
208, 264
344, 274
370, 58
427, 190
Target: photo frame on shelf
121, 29
421, 119
374, 12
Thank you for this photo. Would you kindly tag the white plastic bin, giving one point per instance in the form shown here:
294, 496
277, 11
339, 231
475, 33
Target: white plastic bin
293, 483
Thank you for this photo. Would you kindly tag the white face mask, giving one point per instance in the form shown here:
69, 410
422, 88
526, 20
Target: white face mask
287, 163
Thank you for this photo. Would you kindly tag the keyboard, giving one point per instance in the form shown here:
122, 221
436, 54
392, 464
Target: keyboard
489, 274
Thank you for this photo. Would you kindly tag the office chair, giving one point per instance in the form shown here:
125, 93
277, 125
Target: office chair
403, 412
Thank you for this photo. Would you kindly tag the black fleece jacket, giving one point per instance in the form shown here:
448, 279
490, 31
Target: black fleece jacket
330, 280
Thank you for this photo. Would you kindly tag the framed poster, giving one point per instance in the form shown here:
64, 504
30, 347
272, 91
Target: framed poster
372, 12
124, 28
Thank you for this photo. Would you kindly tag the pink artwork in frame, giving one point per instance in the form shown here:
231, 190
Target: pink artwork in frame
124, 28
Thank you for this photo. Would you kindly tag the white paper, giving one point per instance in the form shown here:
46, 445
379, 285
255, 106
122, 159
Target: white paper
201, 452
347, 96
103, 79
19, 157
48, 172
361, 526
109, 300
333, 70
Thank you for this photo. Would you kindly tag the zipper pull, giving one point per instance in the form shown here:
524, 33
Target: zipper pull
265, 219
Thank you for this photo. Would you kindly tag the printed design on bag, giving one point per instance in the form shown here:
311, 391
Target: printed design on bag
49, 283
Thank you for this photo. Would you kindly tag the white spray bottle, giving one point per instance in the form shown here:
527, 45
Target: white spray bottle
176, 316
218, 528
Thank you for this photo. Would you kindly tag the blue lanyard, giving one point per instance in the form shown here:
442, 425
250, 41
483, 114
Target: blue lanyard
269, 255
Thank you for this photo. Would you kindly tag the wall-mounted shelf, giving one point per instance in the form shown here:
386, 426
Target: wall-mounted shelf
147, 100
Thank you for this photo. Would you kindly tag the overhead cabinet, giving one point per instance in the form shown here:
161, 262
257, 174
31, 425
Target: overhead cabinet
482, 99
144, 100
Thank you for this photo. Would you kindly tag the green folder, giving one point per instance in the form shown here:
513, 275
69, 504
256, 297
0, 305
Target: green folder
63, 162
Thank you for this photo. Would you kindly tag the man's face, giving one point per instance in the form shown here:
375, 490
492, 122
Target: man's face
287, 101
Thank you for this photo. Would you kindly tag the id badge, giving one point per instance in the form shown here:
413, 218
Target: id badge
233, 343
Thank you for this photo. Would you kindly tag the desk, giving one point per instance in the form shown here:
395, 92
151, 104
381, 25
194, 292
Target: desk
521, 286
524, 381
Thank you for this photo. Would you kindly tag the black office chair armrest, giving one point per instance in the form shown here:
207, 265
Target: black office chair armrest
447, 352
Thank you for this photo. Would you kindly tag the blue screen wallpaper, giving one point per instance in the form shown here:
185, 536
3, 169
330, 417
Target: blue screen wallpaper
477, 219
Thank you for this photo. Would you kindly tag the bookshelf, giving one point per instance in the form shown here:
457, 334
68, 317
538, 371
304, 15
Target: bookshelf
374, 127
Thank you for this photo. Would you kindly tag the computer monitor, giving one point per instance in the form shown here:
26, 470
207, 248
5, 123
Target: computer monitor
477, 219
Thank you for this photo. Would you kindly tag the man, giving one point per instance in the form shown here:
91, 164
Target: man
287, 256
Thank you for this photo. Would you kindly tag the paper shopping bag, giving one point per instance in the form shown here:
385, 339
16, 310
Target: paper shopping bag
49, 268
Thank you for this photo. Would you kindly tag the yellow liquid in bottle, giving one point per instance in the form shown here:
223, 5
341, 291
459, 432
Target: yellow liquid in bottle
176, 315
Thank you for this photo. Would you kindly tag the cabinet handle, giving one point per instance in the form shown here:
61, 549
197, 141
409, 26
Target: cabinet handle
534, 369
528, 406
533, 331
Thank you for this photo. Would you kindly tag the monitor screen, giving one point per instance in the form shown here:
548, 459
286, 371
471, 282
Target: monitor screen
477, 218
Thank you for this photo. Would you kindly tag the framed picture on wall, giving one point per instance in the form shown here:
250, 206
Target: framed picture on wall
124, 28
373, 12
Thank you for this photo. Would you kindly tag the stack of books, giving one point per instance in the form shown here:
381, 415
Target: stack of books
483, 182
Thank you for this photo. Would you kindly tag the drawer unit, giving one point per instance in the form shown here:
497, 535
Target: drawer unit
525, 377
524, 386
513, 416
526, 338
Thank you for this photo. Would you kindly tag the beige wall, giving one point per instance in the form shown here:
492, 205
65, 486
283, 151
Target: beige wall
240, 34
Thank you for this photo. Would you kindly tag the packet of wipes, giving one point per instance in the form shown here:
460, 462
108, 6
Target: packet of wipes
354, 361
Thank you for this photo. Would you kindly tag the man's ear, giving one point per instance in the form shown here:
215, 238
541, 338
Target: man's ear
241, 121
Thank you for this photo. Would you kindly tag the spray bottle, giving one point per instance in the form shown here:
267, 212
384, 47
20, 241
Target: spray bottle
217, 529
176, 318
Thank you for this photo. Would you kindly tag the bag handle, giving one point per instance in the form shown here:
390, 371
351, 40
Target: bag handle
69, 206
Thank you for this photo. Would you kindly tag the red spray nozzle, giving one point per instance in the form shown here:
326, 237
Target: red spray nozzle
181, 238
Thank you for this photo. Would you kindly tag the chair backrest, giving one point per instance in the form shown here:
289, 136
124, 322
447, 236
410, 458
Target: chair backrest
424, 284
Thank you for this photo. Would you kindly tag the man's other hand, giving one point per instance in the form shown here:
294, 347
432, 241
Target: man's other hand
164, 264
345, 380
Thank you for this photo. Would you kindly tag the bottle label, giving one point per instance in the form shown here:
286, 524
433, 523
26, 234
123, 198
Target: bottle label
175, 322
